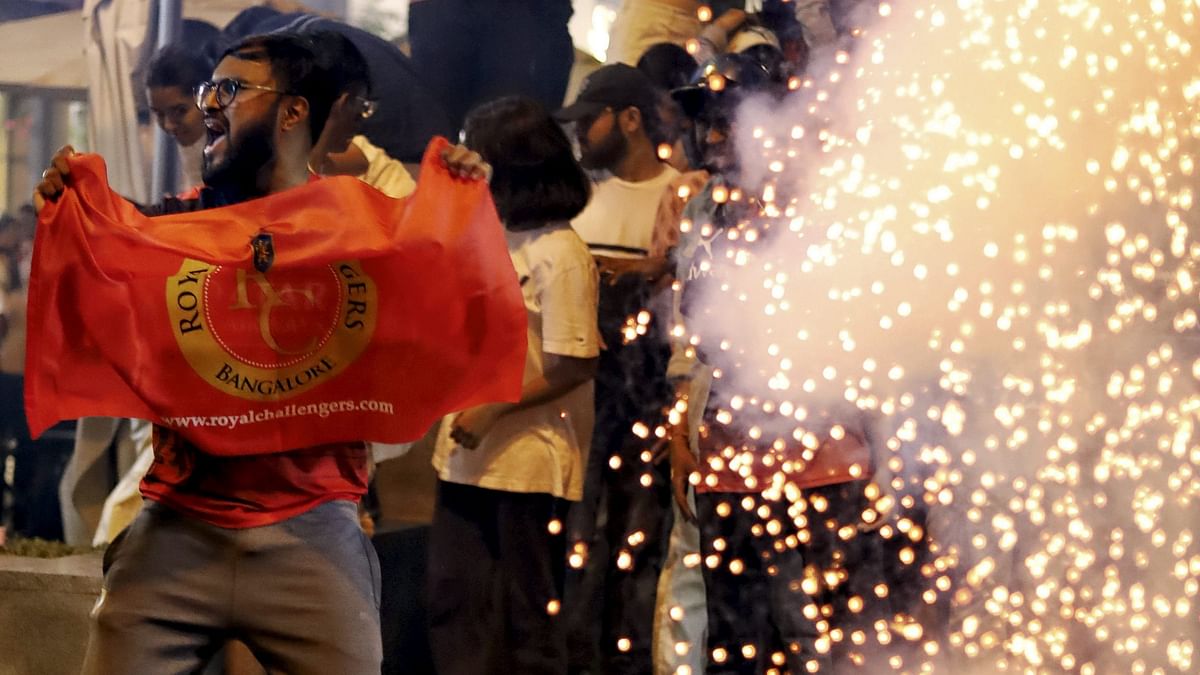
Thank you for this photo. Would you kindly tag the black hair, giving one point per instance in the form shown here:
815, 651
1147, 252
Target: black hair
297, 69
178, 65
668, 65
346, 64
535, 177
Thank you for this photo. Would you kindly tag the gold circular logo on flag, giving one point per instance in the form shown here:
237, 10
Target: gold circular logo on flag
269, 337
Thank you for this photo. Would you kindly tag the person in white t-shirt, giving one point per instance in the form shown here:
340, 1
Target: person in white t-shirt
618, 129
507, 471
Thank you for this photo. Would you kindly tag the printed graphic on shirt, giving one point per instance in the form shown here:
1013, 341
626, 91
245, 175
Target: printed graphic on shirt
267, 337
701, 266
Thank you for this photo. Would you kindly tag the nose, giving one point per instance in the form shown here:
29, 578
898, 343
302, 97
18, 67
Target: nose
206, 101
713, 136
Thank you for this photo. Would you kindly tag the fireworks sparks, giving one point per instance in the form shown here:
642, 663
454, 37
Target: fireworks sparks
976, 226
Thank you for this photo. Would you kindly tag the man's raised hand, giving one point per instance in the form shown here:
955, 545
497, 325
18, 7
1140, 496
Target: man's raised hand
466, 163
54, 179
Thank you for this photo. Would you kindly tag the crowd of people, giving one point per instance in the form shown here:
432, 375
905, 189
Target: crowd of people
16, 249
28, 502
616, 518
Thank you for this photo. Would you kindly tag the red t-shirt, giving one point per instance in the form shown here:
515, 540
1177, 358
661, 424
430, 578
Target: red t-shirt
252, 490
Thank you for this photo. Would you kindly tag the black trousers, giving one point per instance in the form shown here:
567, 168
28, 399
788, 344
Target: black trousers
860, 563
473, 51
14, 434
754, 592
38, 466
495, 582
612, 602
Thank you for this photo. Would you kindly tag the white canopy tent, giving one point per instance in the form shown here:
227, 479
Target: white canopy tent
29, 64
119, 36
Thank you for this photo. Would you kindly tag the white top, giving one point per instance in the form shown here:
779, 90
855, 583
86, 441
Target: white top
619, 220
384, 173
543, 448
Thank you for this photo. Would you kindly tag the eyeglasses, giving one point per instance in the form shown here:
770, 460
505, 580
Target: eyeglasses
226, 90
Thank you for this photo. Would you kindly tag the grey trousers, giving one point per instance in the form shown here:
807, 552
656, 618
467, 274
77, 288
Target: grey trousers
303, 594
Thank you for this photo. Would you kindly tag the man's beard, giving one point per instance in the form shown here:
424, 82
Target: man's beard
720, 157
244, 157
607, 153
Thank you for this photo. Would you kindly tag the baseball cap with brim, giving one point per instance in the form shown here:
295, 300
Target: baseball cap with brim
617, 86
691, 99
726, 76
579, 110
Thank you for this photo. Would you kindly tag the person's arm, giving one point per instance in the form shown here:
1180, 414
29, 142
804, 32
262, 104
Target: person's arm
339, 131
665, 235
560, 375
340, 125
569, 301
680, 370
715, 37
652, 269
381, 171
56, 178
683, 461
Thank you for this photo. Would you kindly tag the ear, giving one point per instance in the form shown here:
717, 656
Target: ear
294, 113
630, 120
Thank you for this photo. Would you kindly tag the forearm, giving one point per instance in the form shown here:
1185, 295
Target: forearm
538, 391
677, 416
556, 381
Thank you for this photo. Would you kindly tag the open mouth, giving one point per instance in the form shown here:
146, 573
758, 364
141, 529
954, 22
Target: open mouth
216, 134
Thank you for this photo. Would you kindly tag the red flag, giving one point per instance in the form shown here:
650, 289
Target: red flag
376, 317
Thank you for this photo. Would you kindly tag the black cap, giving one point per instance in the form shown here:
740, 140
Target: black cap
726, 77
617, 86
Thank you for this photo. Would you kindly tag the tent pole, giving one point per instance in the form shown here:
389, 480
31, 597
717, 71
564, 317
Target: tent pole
41, 140
166, 157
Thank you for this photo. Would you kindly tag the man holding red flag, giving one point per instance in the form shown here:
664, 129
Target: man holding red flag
297, 316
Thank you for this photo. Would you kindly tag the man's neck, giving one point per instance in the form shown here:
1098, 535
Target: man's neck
276, 176
285, 173
639, 164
